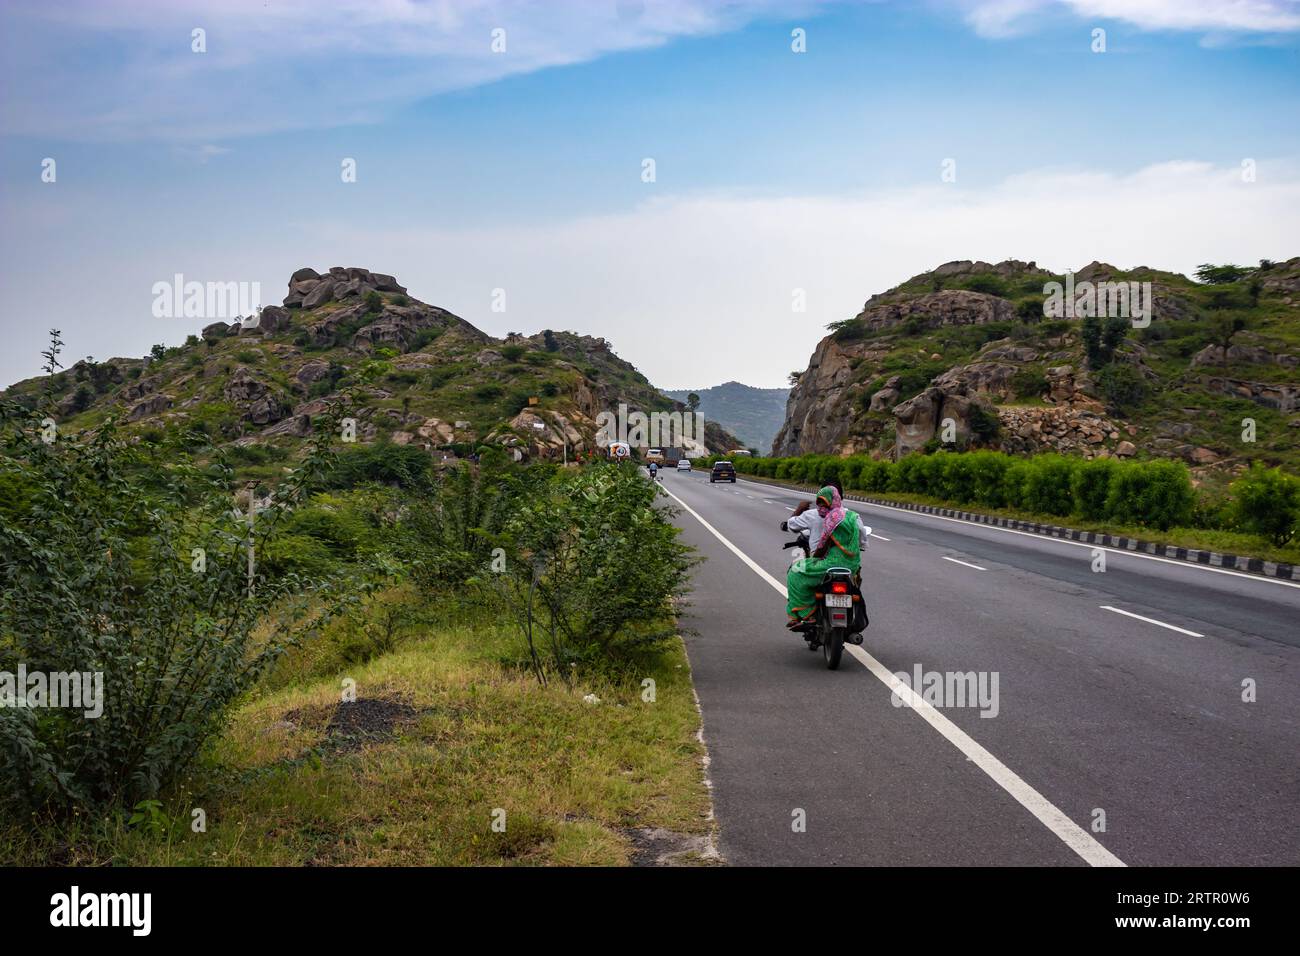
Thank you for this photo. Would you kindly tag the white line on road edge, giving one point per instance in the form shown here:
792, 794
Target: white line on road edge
1151, 620
966, 563
1071, 834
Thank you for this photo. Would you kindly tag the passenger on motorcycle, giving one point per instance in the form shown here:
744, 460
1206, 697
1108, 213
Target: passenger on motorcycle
838, 546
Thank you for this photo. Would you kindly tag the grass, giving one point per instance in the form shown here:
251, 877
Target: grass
474, 734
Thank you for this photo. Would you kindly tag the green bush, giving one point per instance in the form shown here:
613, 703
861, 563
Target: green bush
1091, 488
100, 576
1048, 485
1154, 493
1268, 503
1123, 386
383, 462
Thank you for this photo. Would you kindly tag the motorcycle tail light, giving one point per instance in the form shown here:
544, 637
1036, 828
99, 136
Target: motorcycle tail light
839, 587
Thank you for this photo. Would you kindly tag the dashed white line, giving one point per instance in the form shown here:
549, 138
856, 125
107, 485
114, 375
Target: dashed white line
966, 563
1070, 833
1151, 620
880, 536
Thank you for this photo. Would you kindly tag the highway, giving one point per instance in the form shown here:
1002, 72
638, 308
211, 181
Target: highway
1112, 731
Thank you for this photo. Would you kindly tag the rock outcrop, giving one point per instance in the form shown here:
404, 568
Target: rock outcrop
308, 289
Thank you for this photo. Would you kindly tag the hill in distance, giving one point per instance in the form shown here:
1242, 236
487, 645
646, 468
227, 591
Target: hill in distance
969, 342
754, 415
415, 374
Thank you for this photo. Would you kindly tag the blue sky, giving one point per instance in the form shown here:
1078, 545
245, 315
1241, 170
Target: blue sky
521, 170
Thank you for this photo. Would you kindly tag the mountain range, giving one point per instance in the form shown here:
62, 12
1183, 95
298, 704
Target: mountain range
754, 415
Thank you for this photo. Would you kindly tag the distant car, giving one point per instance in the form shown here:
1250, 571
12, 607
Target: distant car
723, 471
683, 464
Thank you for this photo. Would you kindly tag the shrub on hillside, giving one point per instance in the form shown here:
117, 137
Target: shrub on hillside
1268, 504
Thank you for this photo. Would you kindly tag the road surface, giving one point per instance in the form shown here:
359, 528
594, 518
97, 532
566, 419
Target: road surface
1118, 734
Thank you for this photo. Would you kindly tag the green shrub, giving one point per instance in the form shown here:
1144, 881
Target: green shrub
513, 352
1047, 486
1029, 383
1154, 493
1091, 488
988, 469
1123, 385
105, 581
383, 462
1268, 503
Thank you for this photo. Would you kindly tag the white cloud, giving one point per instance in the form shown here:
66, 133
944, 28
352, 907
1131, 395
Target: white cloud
693, 290
998, 18
123, 70
697, 290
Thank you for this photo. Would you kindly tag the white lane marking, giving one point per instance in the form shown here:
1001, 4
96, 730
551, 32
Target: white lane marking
1151, 620
880, 536
966, 563
1070, 833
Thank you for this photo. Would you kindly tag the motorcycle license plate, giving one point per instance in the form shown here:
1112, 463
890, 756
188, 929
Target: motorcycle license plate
839, 600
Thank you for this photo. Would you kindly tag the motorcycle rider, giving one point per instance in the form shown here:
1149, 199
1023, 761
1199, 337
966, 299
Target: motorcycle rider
839, 545
654, 470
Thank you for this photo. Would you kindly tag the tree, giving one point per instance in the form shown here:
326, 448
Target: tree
1218, 275
1225, 328
692, 401
548, 341
1101, 337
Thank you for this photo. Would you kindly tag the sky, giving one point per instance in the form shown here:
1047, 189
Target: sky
806, 155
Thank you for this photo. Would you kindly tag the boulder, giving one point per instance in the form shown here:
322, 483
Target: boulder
386, 283
297, 426
217, 330
323, 292
311, 372
306, 272
916, 420
148, 407
1125, 449
273, 318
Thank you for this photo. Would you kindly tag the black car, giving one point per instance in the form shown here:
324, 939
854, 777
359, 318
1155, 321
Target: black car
723, 471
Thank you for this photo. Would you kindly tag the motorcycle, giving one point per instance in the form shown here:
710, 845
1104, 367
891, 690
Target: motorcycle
841, 614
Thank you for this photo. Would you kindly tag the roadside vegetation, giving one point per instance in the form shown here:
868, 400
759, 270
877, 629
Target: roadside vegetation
433, 665
1258, 515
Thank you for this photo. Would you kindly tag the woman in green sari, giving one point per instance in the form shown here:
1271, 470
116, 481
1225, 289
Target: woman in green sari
839, 547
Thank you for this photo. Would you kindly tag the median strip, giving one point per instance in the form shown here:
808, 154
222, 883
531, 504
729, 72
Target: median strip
1070, 833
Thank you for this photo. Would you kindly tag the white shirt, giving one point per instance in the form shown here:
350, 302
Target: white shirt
809, 521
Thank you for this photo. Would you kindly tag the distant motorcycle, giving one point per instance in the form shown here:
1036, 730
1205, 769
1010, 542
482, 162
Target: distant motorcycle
841, 614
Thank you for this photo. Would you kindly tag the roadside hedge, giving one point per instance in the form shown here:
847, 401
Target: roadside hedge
1156, 494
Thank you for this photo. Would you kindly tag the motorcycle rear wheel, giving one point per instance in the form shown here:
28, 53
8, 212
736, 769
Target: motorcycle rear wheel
833, 648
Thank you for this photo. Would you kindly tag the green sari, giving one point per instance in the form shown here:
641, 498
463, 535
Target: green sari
806, 574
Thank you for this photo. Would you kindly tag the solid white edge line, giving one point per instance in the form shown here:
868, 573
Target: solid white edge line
966, 563
1082, 544
1151, 620
1070, 833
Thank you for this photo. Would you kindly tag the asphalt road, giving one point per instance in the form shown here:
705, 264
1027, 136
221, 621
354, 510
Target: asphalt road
1099, 717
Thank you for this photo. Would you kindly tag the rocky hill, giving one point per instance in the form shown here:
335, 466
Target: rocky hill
754, 415
970, 342
415, 374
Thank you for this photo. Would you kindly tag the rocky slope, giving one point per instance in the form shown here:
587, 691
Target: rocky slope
416, 374
969, 342
754, 415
